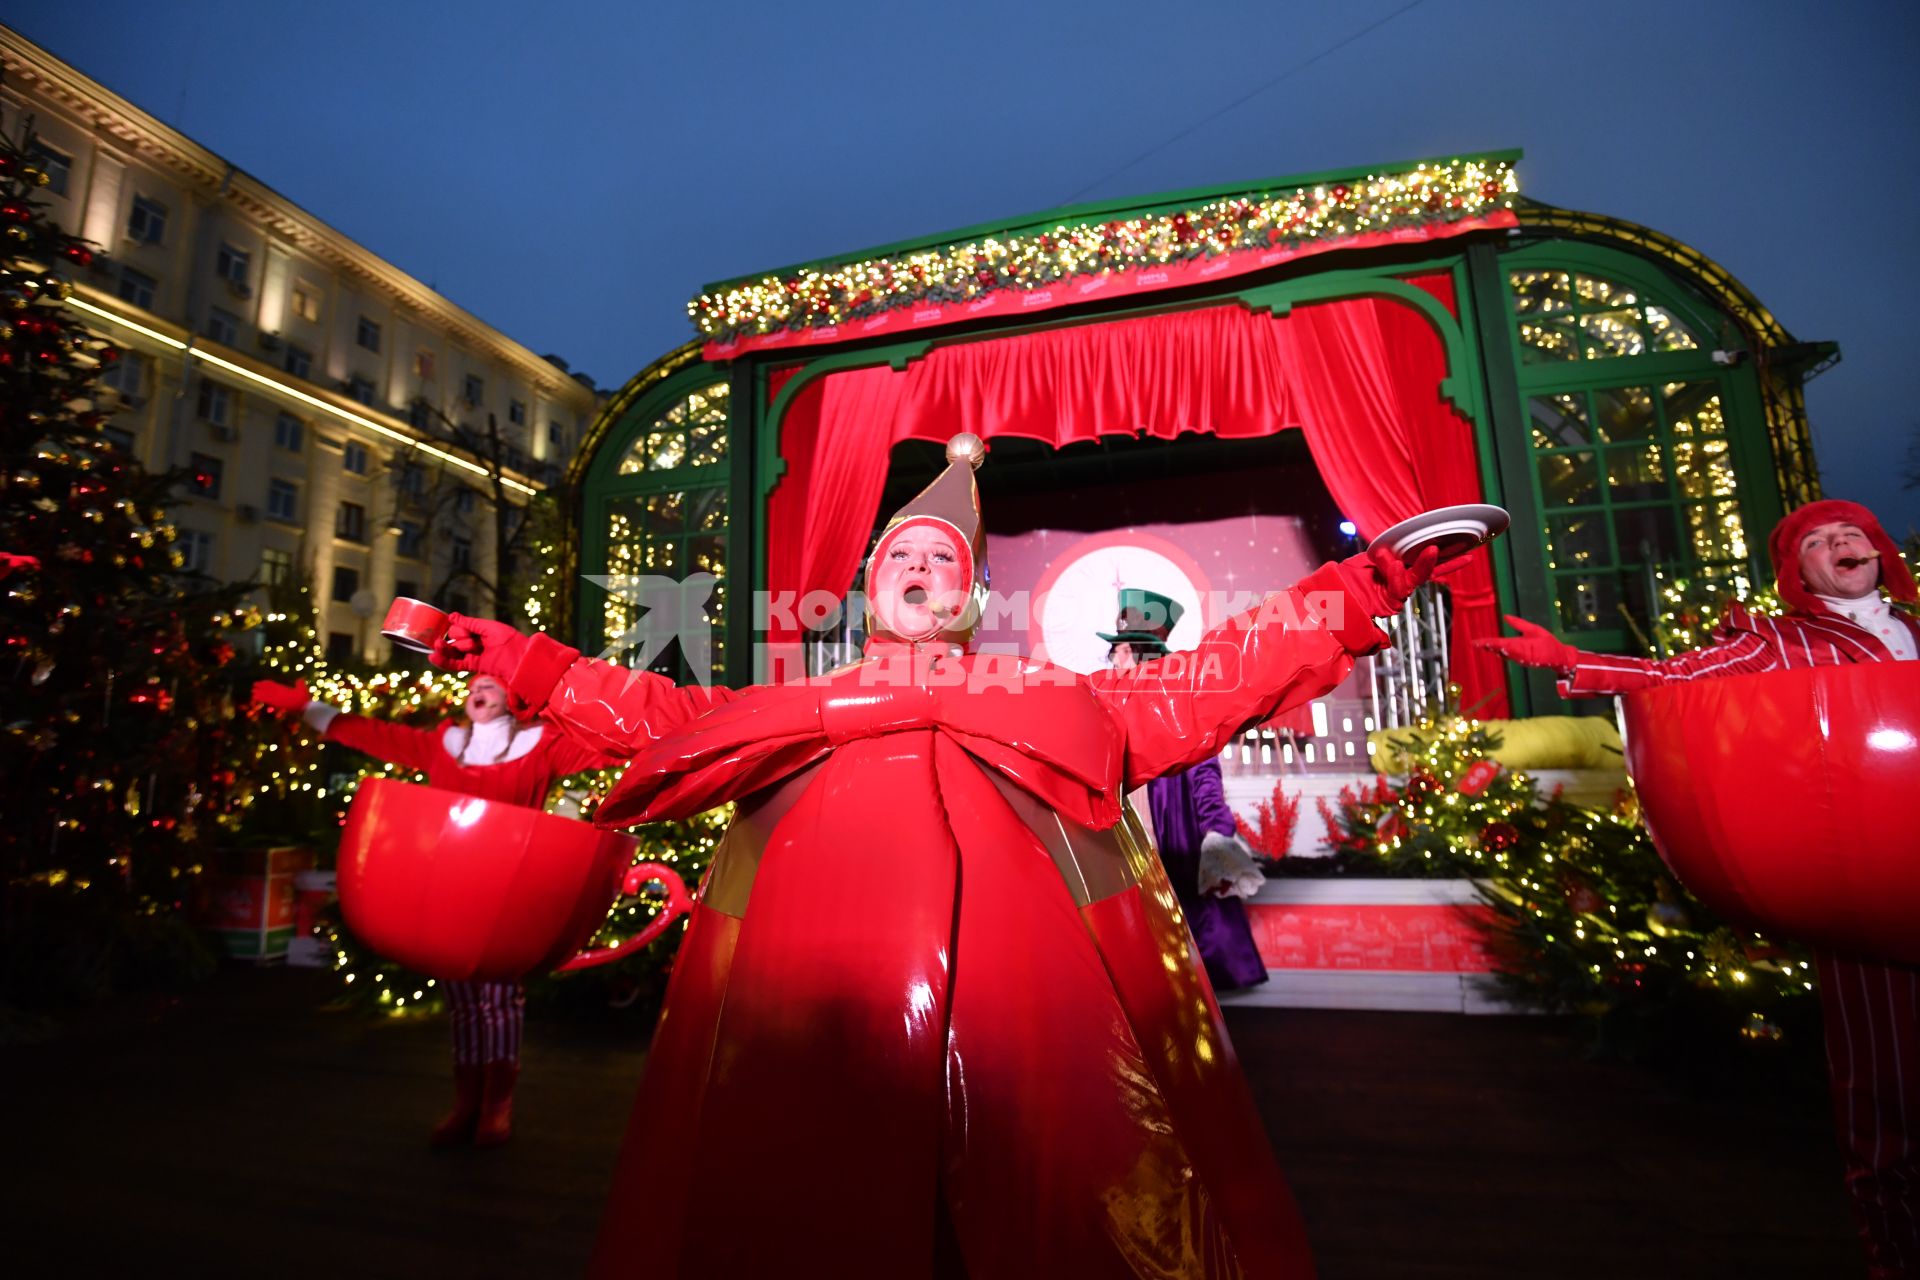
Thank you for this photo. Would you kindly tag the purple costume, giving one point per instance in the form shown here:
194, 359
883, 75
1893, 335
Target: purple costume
1185, 808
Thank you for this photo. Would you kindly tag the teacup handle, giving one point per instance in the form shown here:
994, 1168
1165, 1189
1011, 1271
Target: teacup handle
679, 902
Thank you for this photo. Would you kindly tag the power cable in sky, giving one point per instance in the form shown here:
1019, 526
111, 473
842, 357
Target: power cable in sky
1245, 98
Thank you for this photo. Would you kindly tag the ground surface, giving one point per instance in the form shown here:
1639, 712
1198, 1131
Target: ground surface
247, 1132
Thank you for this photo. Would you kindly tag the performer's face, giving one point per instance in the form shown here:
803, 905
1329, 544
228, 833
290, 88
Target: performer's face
1837, 560
486, 700
1120, 656
919, 583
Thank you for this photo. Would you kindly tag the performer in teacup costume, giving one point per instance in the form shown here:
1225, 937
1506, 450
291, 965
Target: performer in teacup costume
497, 753
1831, 562
937, 1012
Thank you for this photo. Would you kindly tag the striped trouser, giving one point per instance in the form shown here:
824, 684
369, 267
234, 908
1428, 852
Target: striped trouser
486, 1021
1872, 1014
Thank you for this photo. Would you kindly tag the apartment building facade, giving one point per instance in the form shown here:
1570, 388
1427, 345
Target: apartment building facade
340, 419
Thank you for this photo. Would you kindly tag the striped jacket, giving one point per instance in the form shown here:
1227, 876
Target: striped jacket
1744, 644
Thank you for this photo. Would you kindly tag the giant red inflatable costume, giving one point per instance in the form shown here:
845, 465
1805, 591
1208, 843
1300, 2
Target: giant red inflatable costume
1775, 796
936, 1012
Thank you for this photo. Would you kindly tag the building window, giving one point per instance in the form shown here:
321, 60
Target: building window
339, 647
276, 567
407, 588
127, 374
367, 334
289, 433
516, 413
412, 542
1568, 315
147, 223
463, 553
691, 433
670, 515
298, 361
354, 457
556, 437
346, 582
223, 326
358, 388
413, 480
136, 287
306, 301
283, 500
195, 550
1633, 467
215, 403
474, 390
423, 365
204, 472
463, 500
231, 264
57, 165
350, 522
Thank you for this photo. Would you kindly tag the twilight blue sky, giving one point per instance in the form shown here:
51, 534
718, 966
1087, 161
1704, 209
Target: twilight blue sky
573, 171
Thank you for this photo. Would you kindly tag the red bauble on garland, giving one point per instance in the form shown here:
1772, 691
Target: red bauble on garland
1499, 836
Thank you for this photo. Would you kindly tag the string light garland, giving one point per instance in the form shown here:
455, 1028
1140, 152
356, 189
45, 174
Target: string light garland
1428, 193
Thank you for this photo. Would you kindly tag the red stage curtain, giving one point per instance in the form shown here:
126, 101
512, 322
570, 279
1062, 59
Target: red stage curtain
1359, 376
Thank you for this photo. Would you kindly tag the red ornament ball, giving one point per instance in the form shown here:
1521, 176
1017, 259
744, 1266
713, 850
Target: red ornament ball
1499, 836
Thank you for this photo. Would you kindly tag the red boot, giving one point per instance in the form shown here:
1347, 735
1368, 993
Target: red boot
495, 1125
469, 1087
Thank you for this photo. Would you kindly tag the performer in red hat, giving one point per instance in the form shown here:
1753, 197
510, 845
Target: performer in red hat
936, 1012
495, 753
1832, 561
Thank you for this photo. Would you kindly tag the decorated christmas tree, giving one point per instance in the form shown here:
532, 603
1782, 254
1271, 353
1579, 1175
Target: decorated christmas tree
113, 739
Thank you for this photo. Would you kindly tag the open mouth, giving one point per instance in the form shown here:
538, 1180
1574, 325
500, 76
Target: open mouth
916, 595
1854, 562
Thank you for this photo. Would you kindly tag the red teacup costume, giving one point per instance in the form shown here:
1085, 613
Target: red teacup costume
498, 760
1871, 1006
937, 1012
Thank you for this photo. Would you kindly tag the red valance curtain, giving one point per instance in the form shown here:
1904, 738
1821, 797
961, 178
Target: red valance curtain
1359, 376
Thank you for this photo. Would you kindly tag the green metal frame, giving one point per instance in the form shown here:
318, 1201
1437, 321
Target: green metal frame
1758, 500
595, 483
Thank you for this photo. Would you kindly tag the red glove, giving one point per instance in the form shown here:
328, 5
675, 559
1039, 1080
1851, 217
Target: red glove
1533, 647
1380, 581
287, 699
479, 645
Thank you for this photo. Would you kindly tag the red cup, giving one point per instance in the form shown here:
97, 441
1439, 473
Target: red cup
1780, 799
460, 888
414, 624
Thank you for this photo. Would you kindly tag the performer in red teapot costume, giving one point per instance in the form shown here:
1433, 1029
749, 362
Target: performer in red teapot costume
936, 1012
1831, 561
496, 754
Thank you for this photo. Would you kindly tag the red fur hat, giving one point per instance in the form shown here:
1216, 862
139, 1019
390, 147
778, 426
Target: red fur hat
1785, 548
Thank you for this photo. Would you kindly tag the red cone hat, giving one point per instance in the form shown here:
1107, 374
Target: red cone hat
951, 502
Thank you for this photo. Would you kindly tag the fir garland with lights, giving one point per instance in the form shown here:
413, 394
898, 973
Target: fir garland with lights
1585, 916
1428, 193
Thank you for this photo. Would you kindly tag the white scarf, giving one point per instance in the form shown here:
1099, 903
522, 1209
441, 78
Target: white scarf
494, 742
1874, 613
